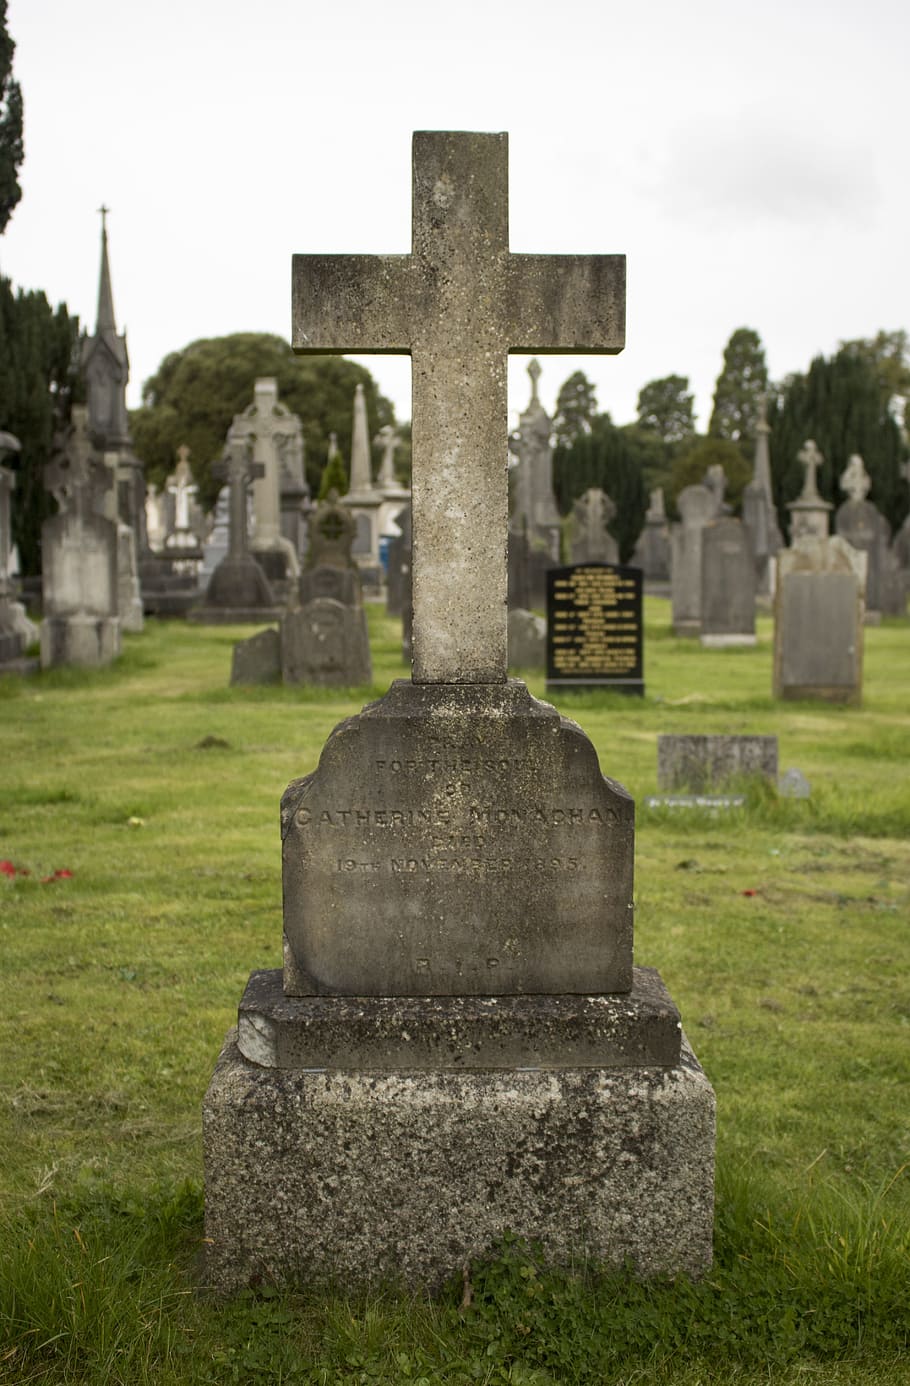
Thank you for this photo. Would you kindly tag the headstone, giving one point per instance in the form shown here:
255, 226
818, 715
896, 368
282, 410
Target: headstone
518, 587
325, 643
395, 496
294, 491
331, 570
591, 540
364, 500
700, 763
527, 640
14, 624
458, 1006
79, 555
793, 785
129, 596
156, 528
652, 552
398, 574
258, 659
758, 509
274, 433
727, 584
595, 628
865, 527
217, 542
809, 513
238, 590
182, 541
697, 506
818, 620
534, 504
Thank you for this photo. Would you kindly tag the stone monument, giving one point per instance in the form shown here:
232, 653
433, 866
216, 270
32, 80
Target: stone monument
864, 526
238, 590
809, 513
458, 1015
534, 510
331, 570
652, 552
273, 432
591, 540
364, 500
15, 627
818, 620
759, 512
727, 584
697, 506
78, 555
395, 496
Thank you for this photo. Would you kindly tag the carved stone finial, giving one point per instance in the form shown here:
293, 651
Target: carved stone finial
812, 459
534, 371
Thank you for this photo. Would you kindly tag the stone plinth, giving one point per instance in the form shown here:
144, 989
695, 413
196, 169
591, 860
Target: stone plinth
405, 1175
457, 840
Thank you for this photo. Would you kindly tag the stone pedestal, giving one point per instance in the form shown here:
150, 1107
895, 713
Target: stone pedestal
404, 1174
79, 639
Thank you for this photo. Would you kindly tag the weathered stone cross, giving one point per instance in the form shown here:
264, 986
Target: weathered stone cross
238, 469
458, 304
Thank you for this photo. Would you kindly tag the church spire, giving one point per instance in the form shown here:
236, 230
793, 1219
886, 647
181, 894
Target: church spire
105, 321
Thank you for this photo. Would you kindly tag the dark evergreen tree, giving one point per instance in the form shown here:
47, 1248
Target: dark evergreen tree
38, 381
334, 477
195, 393
690, 467
11, 145
665, 407
840, 402
610, 458
576, 407
740, 386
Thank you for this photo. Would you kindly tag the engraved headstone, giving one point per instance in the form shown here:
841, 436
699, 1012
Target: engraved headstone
331, 570
258, 659
457, 871
699, 763
238, 590
697, 506
727, 584
818, 620
864, 526
652, 552
78, 555
809, 513
325, 643
591, 541
595, 628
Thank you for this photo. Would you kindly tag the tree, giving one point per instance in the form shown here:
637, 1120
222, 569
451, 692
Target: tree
690, 467
195, 393
610, 458
740, 386
334, 477
889, 355
665, 407
576, 407
11, 147
840, 402
38, 381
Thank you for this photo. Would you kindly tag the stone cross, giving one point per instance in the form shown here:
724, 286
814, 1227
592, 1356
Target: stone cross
812, 459
266, 423
458, 304
238, 469
77, 476
387, 439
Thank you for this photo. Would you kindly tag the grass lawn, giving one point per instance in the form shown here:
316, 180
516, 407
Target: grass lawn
782, 930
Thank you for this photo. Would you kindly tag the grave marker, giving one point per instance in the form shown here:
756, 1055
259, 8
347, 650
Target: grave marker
595, 628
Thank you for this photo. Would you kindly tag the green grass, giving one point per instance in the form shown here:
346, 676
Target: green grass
780, 928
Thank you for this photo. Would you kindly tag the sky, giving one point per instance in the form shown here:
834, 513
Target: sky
749, 160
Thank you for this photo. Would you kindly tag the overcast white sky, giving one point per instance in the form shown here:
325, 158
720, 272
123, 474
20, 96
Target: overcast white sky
749, 159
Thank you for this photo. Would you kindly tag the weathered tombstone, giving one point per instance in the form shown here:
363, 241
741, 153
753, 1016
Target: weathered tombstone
14, 624
864, 526
395, 496
699, 763
181, 541
79, 556
258, 659
364, 500
325, 643
759, 512
458, 1004
809, 513
238, 590
697, 506
331, 570
398, 575
652, 552
218, 540
129, 596
595, 629
274, 433
534, 504
818, 620
727, 584
591, 540
527, 640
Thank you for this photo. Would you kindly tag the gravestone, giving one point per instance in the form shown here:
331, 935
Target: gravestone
527, 640
395, 496
217, 541
398, 576
758, 509
652, 552
274, 433
809, 513
331, 571
78, 555
181, 543
238, 590
325, 643
818, 620
129, 596
15, 627
864, 526
257, 660
363, 499
699, 763
458, 1014
727, 584
534, 509
595, 628
697, 506
591, 540
518, 581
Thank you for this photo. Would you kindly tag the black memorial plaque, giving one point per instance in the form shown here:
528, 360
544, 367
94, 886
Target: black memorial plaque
594, 628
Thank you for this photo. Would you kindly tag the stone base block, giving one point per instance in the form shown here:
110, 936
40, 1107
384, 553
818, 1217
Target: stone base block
406, 1175
83, 640
728, 642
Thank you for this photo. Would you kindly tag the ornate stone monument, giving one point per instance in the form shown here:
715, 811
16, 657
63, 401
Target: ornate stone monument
15, 627
363, 499
534, 510
809, 513
238, 590
78, 555
272, 430
864, 526
759, 512
458, 1042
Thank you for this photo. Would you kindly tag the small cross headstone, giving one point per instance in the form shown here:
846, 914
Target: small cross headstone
272, 431
238, 589
863, 525
592, 542
809, 512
